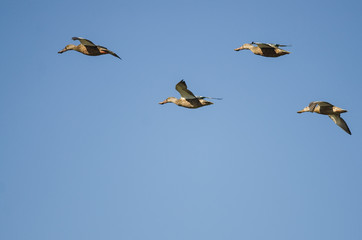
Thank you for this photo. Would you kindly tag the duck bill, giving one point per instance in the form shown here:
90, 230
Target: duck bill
162, 102
238, 49
61, 51
306, 109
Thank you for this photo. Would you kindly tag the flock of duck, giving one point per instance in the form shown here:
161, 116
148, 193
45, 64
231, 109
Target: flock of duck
189, 100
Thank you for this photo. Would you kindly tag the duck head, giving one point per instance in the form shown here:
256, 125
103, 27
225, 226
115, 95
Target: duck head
168, 100
306, 109
245, 46
67, 48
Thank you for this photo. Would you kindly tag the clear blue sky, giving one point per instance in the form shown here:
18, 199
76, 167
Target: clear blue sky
86, 151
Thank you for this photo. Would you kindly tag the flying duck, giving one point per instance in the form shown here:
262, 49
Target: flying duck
264, 49
88, 48
188, 99
326, 108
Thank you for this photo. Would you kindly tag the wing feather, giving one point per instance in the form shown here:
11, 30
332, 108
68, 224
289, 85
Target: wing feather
203, 97
109, 51
312, 105
181, 87
84, 41
340, 122
263, 45
269, 45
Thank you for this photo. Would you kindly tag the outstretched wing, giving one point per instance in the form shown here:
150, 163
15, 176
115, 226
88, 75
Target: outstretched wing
263, 45
109, 51
269, 45
340, 122
282, 45
181, 87
84, 41
312, 105
202, 97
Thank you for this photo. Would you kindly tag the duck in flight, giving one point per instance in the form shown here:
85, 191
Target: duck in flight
326, 108
88, 48
264, 49
188, 99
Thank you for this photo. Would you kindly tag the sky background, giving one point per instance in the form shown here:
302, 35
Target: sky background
86, 151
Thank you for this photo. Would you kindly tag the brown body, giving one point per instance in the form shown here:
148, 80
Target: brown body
263, 51
91, 51
187, 103
325, 110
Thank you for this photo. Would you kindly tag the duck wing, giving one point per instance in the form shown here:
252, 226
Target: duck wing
181, 87
84, 41
108, 51
263, 45
312, 105
282, 45
113, 54
202, 97
340, 122
269, 45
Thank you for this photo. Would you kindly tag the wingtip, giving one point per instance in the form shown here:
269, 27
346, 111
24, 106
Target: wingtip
347, 131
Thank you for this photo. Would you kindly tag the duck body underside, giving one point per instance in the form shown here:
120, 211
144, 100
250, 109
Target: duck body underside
271, 52
326, 110
90, 51
192, 103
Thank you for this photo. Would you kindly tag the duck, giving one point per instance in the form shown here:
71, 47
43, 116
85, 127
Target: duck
332, 111
88, 48
265, 49
188, 99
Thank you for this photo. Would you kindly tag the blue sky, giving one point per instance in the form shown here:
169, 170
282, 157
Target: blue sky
88, 153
